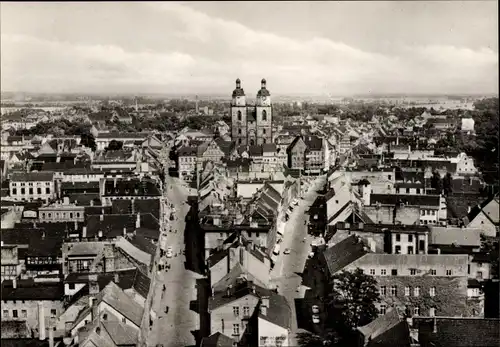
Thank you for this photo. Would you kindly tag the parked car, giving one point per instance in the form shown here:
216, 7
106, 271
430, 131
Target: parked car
170, 253
287, 251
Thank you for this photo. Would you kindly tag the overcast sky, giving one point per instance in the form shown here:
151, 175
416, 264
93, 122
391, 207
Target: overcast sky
323, 48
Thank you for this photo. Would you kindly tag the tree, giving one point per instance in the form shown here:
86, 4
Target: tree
88, 140
447, 180
436, 182
352, 299
115, 145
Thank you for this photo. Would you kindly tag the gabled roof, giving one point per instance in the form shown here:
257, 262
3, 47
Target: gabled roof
32, 177
115, 297
344, 253
378, 332
218, 339
232, 277
458, 332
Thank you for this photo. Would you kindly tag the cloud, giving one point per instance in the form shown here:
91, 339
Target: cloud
202, 54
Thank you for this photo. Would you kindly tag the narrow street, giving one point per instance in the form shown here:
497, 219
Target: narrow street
175, 328
288, 266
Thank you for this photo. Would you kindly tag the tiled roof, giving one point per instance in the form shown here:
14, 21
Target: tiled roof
112, 225
147, 206
120, 136
25, 342
114, 296
121, 334
313, 143
30, 290
81, 186
84, 199
269, 148
45, 240
232, 277
187, 151
218, 339
458, 332
131, 187
459, 236
413, 259
15, 330
344, 253
378, 331
32, 177
412, 200
121, 206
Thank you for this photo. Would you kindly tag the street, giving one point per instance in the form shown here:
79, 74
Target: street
284, 273
175, 328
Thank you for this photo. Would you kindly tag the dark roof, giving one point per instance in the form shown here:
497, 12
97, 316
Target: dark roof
132, 187
238, 92
112, 225
386, 330
269, 147
15, 329
63, 166
458, 332
32, 177
187, 151
313, 143
263, 92
412, 200
25, 343
30, 290
147, 206
143, 244
217, 340
84, 199
344, 253
255, 151
120, 136
80, 186
100, 116
127, 279
121, 207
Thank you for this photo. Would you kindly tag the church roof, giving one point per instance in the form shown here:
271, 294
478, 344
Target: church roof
238, 92
263, 92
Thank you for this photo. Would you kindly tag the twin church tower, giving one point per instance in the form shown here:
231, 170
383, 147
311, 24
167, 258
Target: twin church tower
251, 124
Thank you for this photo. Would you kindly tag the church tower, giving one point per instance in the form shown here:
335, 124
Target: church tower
263, 115
239, 115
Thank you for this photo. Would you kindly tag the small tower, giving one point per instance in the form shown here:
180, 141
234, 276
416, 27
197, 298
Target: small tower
239, 115
197, 107
264, 115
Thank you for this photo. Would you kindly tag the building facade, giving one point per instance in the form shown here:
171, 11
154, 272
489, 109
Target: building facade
251, 125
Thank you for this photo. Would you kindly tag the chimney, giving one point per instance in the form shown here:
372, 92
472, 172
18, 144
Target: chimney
124, 231
84, 232
14, 283
138, 221
229, 290
115, 182
51, 337
117, 278
434, 326
41, 321
468, 209
439, 251
92, 202
253, 289
76, 225
101, 217
91, 301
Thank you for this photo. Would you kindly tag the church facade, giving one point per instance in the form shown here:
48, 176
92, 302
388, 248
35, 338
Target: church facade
251, 124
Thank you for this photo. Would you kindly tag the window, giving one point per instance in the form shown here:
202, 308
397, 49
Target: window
410, 249
416, 311
407, 190
413, 272
239, 115
47, 190
14, 192
433, 272
236, 310
53, 312
264, 131
407, 291
416, 291
264, 115
383, 290
389, 177
422, 212
246, 311
448, 272
14, 313
479, 274
383, 272
382, 309
394, 272
5, 313
39, 191
428, 212
124, 320
394, 291
372, 272
23, 191
398, 237
24, 313
432, 291
410, 238
239, 131
236, 329
30, 191
432, 311
398, 249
